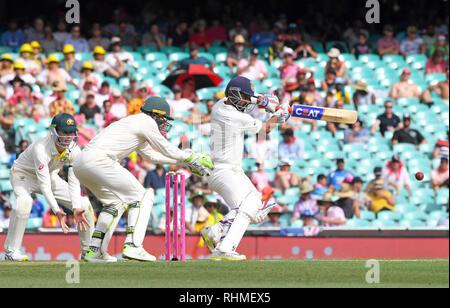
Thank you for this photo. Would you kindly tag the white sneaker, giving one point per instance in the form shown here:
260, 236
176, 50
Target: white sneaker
218, 255
210, 237
137, 253
98, 257
15, 256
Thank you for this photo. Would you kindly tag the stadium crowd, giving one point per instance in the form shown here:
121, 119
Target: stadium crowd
325, 174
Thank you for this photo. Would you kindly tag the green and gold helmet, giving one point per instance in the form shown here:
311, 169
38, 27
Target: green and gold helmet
158, 108
63, 130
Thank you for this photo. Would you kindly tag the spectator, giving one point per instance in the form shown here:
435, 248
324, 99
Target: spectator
61, 104
117, 59
334, 127
388, 121
328, 84
61, 35
26, 54
188, 90
13, 37
288, 69
199, 36
85, 133
197, 184
405, 88
6, 65
213, 206
291, 147
407, 134
378, 176
87, 73
134, 106
388, 44
264, 38
439, 176
306, 208
180, 105
127, 35
216, 32
50, 220
441, 89
436, 63
131, 92
196, 215
53, 74
236, 53
362, 47
103, 94
362, 95
155, 178
79, 43
23, 145
118, 106
361, 197
253, 69
395, 176
382, 200
97, 38
36, 56
90, 108
412, 44
429, 37
330, 215
351, 34
285, 178
346, 202
37, 209
192, 59
304, 50
70, 64
337, 177
35, 33
276, 49
441, 148
336, 63
357, 133
321, 185
238, 30
440, 45
5, 216
88, 86
317, 99
179, 37
341, 93
260, 176
204, 119
49, 43
273, 219
154, 38
101, 66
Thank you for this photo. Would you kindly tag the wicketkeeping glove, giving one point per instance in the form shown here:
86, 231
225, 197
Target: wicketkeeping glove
200, 164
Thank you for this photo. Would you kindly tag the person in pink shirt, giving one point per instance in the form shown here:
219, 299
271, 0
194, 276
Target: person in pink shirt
388, 44
199, 36
85, 134
261, 177
253, 68
330, 215
288, 69
436, 63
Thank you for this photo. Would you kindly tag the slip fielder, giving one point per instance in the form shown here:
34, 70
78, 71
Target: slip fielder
36, 170
229, 121
98, 168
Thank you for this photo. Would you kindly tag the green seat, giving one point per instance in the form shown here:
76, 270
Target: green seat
384, 223
177, 56
357, 223
155, 56
4, 174
367, 215
221, 57
6, 186
416, 215
34, 223
296, 224
317, 46
206, 55
436, 215
434, 78
146, 49
412, 223
405, 208
389, 215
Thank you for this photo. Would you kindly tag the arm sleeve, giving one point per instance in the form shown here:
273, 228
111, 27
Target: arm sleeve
150, 131
247, 123
41, 161
154, 157
74, 183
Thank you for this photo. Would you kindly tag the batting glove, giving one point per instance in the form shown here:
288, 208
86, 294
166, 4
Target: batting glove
269, 102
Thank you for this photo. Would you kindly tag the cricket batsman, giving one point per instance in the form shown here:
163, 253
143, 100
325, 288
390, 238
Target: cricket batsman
98, 168
36, 170
230, 120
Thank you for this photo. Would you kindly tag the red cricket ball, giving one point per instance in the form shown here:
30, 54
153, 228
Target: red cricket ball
419, 176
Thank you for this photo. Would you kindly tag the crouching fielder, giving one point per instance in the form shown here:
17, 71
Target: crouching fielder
229, 121
98, 168
36, 170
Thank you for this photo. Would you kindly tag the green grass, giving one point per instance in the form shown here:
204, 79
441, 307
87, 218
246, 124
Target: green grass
247, 274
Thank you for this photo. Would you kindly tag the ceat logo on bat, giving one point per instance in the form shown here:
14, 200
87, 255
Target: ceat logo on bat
307, 112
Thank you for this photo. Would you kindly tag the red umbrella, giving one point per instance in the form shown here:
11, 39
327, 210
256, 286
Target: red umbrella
203, 77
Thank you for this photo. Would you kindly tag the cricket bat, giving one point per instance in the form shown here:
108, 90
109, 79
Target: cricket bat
324, 114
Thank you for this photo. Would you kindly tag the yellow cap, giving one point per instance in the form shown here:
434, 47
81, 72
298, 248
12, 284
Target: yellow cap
68, 48
6, 56
26, 48
88, 66
52, 58
18, 65
35, 44
100, 50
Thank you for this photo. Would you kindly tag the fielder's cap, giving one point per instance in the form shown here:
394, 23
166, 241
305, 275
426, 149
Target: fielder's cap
406, 70
115, 40
156, 104
64, 122
239, 39
377, 171
244, 84
395, 158
406, 116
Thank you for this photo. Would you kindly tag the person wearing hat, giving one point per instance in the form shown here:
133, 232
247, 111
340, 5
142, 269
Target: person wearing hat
362, 95
154, 37
70, 64
119, 59
306, 207
98, 169
26, 58
329, 214
79, 43
199, 36
87, 73
132, 91
276, 49
290, 147
382, 200
396, 176
193, 58
6, 65
212, 205
288, 69
236, 52
264, 37
54, 74
36, 171
134, 106
273, 219
412, 44
49, 44
61, 104
101, 66
405, 87
378, 176
388, 44
341, 93
118, 106
37, 49
336, 63
364, 201
406, 134
13, 37
439, 176
440, 44
5, 216
441, 89
253, 68
345, 201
